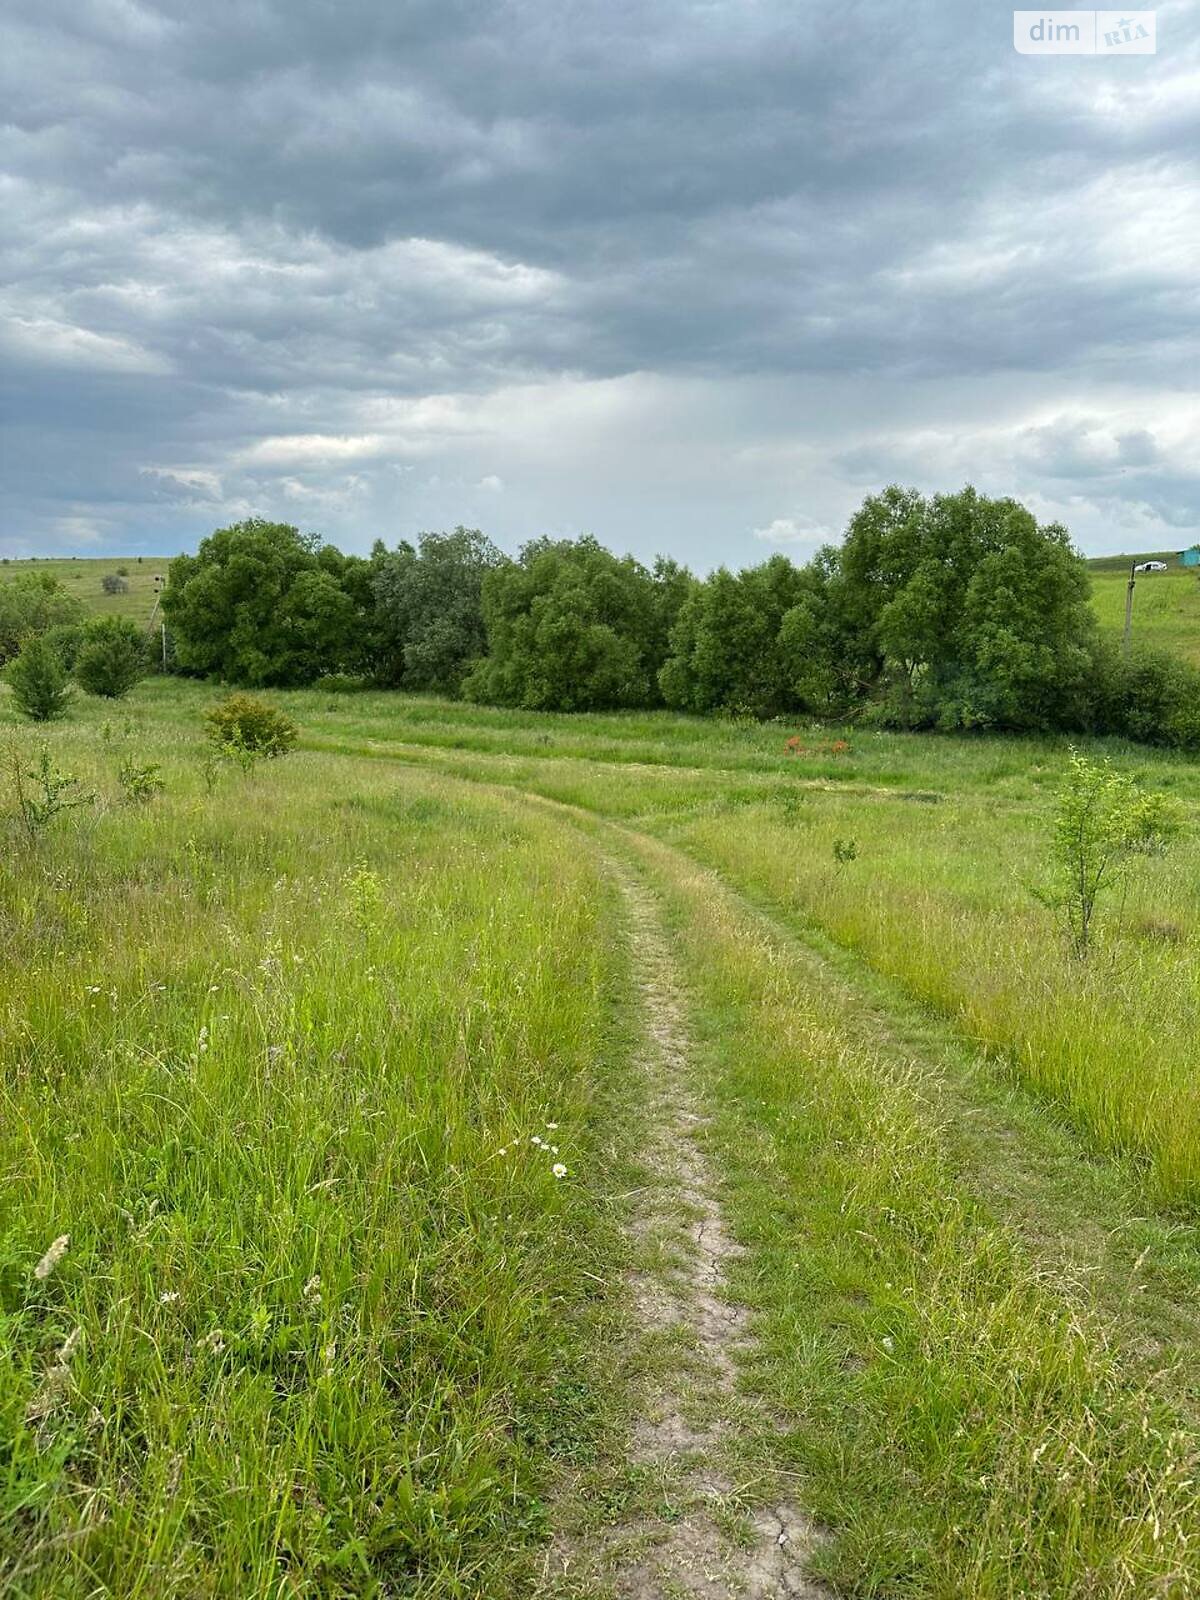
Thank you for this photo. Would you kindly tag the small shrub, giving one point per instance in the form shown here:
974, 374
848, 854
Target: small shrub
793, 806
341, 683
122, 572
1149, 695
43, 791
139, 784
114, 583
241, 722
845, 851
38, 681
1103, 820
112, 657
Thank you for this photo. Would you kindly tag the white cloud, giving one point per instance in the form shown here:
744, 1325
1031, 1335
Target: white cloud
79, 530
794, 530
299, 449
197, 483
44, 341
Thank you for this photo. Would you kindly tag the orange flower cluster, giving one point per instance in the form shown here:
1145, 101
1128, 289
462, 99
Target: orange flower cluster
795, 746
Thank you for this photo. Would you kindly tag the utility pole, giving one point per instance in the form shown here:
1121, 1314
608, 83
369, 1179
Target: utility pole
1135, 567
159, 582
1129, 607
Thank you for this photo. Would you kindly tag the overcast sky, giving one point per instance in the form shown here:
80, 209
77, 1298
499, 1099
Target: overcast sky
694, 277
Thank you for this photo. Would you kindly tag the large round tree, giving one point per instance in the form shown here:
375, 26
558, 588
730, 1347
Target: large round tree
262, 604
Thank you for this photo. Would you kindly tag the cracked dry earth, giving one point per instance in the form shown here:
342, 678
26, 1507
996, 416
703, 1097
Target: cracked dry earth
704, 1542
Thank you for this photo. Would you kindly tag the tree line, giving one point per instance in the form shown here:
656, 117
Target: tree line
950, 611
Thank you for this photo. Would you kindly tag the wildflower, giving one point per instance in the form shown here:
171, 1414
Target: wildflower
559, 1170
214, 1341
312, 1289
553, 1149
552, 1126
53, 1256
536, 1139
168, 1297
203, 1043
503, 1151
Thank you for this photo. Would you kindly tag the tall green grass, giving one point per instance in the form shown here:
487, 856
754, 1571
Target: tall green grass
943, 902
274, 1059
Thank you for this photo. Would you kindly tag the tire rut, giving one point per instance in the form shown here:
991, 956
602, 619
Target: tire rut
708, 1547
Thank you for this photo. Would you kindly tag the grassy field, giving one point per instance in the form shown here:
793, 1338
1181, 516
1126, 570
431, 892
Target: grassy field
276, 1050
1166, 605
83, 577
313, 1332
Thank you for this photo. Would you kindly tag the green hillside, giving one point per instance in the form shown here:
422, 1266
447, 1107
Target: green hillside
84, 576
1166, 605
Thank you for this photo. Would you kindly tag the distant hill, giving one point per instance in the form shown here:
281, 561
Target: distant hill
83, 576
1123, 563
1166, 605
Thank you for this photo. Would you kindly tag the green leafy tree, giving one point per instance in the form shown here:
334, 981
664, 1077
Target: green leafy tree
260, 603
30, 603
827, 659
724, 644
428, 620
66, 637
38, 681
957, 611
571, 627
111, 657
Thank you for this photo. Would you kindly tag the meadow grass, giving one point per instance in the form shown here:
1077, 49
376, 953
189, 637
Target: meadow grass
945, 903
274, 1061
312, 1332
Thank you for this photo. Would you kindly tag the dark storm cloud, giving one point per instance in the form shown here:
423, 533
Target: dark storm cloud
366, 265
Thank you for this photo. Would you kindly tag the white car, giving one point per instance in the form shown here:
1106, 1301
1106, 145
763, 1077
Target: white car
1151, 566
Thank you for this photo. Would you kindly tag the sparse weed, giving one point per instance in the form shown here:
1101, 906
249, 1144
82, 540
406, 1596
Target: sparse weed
140, 782
365, 896
43, 791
